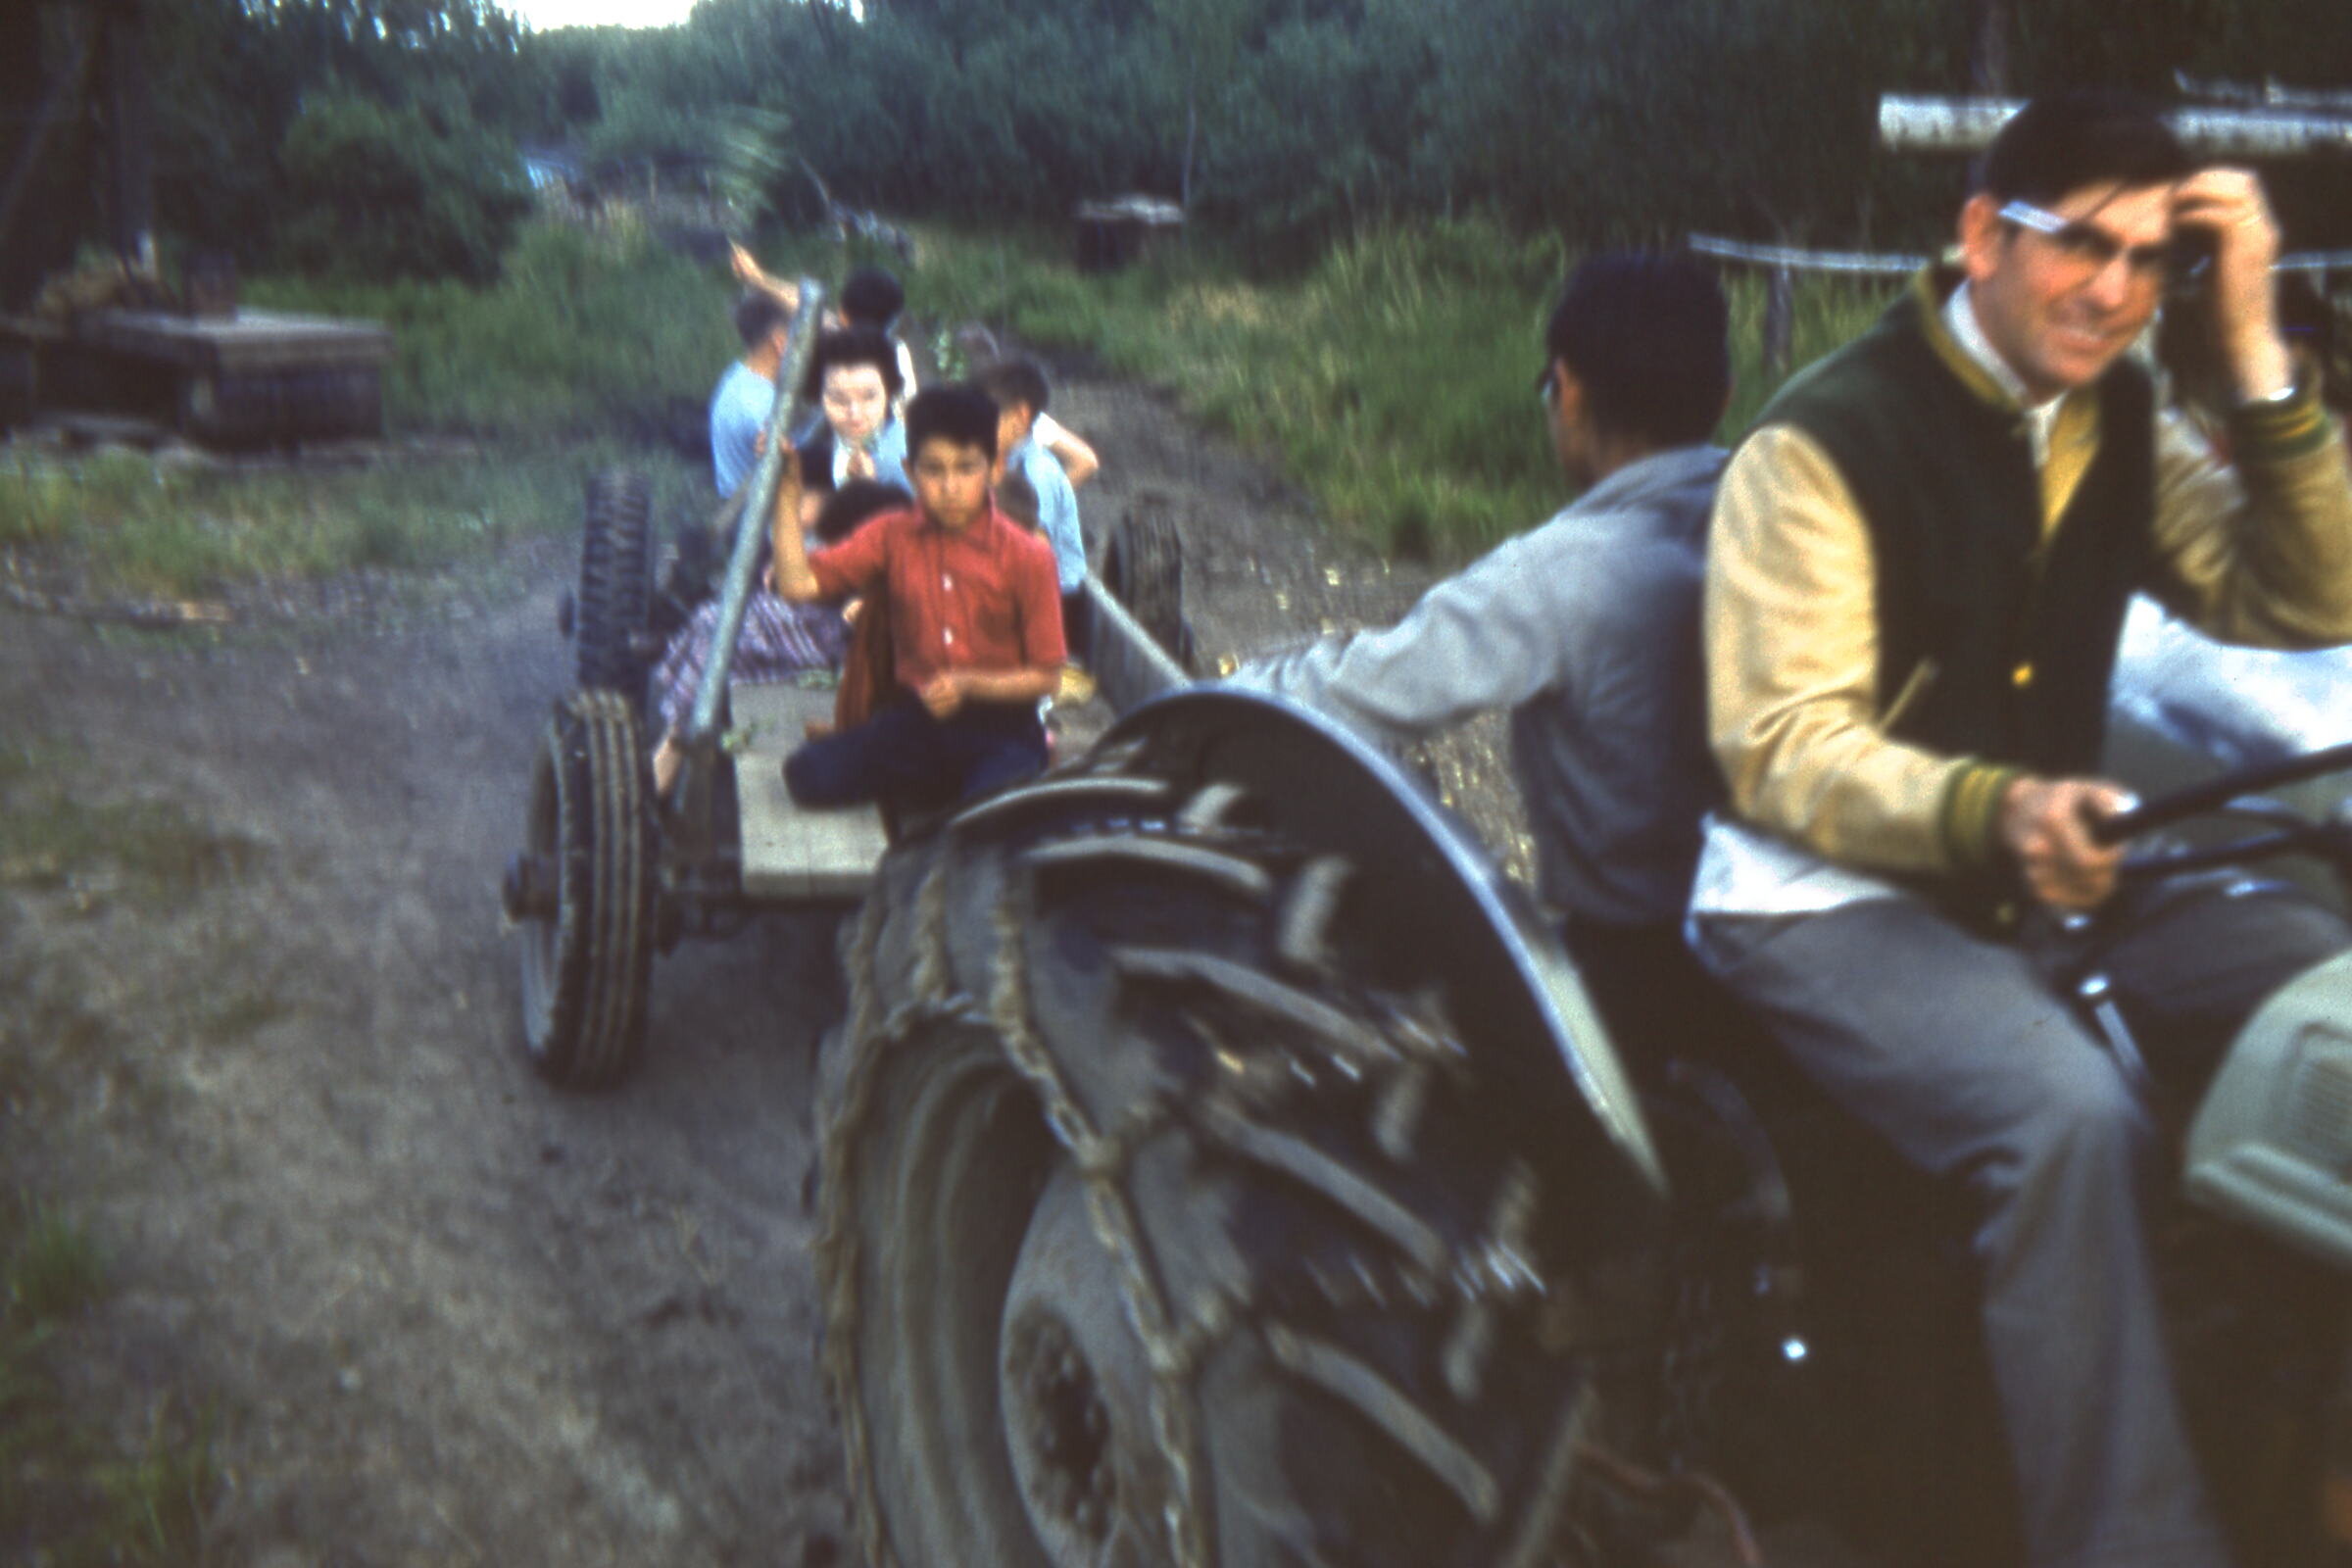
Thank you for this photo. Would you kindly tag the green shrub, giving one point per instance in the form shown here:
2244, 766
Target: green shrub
378, 192
581, 335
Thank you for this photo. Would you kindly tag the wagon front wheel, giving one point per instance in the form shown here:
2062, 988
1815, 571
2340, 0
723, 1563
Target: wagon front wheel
581, 894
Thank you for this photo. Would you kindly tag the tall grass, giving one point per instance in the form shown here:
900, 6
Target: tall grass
1393, 380
582, 334
133, 526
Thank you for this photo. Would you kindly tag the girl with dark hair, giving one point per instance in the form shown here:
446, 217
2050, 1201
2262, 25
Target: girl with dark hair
853, 380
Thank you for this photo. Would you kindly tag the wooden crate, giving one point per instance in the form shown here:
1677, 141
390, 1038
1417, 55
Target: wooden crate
257, 378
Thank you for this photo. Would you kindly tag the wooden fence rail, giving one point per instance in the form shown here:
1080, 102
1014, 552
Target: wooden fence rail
1784, 262
1929, 124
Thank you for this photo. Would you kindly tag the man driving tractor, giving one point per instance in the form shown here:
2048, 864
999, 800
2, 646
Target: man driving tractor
1918, 565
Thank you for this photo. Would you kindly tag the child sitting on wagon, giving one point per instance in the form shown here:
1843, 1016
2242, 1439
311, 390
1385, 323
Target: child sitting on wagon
853, 378
778, 639
975, 623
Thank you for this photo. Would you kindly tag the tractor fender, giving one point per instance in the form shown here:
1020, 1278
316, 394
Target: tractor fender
1431, 895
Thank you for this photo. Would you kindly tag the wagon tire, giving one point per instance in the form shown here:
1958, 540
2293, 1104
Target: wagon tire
587, 959
1143, 566
612, 614
1149, 1236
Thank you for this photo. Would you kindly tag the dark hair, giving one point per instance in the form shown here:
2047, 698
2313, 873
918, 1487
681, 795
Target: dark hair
871, 297
1012, 381
1644, 333
1016, 498
757, 315
851, 345
2082, 136
957, 413
854, 502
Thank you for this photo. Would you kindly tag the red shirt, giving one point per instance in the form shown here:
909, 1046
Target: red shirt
982, 597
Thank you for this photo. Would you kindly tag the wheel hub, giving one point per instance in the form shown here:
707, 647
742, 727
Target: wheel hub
529, 889
1058, 1416
1076, 1394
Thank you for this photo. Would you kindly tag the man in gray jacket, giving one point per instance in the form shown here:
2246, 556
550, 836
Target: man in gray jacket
1585, 628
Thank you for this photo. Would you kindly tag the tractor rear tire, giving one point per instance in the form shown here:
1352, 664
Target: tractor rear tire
585, 968
613, 617
1143, 566
1153, 1231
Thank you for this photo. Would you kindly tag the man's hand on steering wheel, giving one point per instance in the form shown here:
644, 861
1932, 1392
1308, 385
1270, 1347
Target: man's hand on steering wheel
2046, 823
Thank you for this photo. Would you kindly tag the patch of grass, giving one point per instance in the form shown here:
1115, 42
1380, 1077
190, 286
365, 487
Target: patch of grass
1824, 313
50, 835
1392, 380
53, 1267
581, 335
68, 1495
160, 1499
133, 528
156, 846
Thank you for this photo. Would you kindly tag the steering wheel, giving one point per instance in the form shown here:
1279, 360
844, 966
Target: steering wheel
2237, 795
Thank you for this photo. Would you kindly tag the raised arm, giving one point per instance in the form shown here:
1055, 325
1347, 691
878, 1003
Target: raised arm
749, 272
1078, 460
2257, 549
788, 573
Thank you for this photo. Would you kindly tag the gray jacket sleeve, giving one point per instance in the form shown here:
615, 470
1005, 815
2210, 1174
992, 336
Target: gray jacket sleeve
1492, 636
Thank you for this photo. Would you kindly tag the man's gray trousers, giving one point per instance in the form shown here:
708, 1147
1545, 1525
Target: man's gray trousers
1957, 1048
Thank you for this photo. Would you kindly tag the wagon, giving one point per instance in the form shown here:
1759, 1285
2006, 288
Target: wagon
608, 876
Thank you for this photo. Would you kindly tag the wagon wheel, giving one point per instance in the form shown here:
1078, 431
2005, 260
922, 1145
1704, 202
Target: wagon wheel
582, 893
1143, 566
613, 617
1150, 1236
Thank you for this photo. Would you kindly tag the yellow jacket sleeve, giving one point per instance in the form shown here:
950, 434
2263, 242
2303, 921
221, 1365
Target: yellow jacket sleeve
1793, 677
2258, 553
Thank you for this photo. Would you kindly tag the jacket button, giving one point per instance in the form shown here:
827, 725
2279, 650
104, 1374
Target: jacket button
2022, 675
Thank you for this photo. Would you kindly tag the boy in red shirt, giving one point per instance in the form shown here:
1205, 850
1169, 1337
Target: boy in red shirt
975, 621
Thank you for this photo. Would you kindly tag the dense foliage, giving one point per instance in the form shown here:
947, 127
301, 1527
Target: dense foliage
376, 137
1287, 122
1291, 122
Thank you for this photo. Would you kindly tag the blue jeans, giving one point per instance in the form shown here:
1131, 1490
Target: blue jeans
904, 754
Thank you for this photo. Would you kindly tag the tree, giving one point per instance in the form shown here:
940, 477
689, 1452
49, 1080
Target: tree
383, 193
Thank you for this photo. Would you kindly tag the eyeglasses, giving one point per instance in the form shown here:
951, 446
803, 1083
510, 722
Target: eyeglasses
2093, 249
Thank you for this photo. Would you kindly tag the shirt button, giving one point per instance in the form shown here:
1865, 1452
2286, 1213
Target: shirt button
947, 634
2022, 675
948, 585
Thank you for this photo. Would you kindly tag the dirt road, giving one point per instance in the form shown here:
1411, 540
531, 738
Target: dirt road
260, 1034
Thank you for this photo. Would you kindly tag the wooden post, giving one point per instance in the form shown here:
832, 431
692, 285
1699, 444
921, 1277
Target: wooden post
1780, 297
1988, 59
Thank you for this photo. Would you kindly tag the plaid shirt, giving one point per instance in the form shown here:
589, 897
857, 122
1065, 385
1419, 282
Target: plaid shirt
777, 640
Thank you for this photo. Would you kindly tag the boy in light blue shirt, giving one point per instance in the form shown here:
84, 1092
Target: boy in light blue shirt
1019, 389
745, 395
